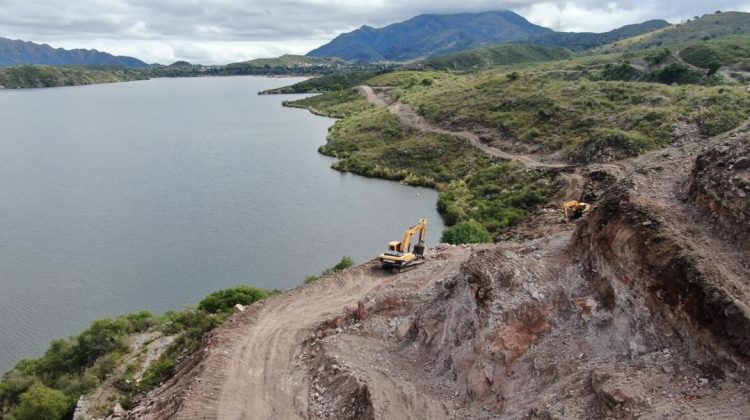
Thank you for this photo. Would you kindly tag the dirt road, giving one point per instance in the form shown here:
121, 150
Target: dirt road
409, 116
253, 366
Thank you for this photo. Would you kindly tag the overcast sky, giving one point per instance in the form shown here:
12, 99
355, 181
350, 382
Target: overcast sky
222, 31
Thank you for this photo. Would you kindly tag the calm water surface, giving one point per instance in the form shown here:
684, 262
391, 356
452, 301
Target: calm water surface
150, 195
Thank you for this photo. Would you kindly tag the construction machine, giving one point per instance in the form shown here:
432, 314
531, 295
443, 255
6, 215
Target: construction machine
399, 256
574, 209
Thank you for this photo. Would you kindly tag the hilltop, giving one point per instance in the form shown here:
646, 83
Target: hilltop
16, 52
701, 28
581, 41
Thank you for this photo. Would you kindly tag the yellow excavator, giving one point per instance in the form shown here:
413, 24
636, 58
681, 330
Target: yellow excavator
574, 209
399, 257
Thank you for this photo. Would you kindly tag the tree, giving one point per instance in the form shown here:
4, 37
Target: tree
41, 402
466, 232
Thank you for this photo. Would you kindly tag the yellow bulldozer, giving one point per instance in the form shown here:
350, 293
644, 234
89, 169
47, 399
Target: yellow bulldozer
399, 256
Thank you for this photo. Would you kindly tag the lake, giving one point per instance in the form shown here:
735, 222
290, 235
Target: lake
150, 195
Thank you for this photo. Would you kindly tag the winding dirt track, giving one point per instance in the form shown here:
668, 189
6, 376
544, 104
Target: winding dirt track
254, 367
264, 378
409, 116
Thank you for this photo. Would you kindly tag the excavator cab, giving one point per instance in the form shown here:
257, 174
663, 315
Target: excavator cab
399, 256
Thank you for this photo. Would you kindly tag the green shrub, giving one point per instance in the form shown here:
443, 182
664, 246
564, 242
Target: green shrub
345, 263
312, 278
466, 232
42, 403
701, 55
676, 73
224, 300
156, 373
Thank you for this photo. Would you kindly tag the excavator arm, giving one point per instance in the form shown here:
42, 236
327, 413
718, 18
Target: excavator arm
420, 228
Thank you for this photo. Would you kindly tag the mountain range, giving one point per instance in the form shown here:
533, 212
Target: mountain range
17, 52
434, 35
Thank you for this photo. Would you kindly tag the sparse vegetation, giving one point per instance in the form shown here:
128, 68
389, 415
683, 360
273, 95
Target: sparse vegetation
48, 387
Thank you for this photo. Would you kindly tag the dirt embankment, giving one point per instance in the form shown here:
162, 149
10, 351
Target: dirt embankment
639, 310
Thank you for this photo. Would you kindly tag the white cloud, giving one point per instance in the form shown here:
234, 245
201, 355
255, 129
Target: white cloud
572, 17
219, 31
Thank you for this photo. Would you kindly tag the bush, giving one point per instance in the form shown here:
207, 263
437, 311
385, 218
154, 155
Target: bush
345, 263
676, 73
224, 300
41, 402
156, 373
467, 232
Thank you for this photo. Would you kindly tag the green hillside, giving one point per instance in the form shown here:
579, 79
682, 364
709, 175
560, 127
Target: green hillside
581, 41
486, 57
48, 76
702, 28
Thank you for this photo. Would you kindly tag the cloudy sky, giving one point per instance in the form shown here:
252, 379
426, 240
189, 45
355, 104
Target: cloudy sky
221, 31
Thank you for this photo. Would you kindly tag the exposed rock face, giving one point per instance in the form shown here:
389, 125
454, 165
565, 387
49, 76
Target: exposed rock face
720, 183
641, 310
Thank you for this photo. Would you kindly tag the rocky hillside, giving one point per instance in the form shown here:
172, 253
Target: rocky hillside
639, 309
15, 52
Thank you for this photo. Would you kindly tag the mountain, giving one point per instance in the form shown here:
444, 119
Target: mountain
428, 35
15, 52
701, 28
579, 41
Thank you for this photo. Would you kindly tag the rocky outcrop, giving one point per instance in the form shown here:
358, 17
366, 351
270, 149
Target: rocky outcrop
720, 184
